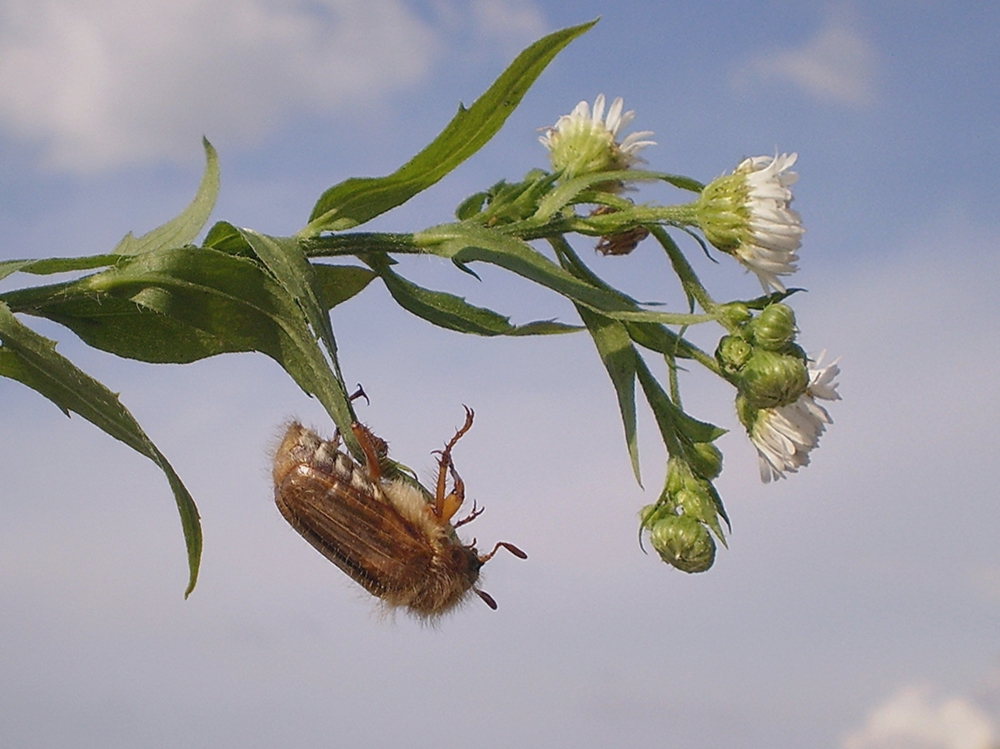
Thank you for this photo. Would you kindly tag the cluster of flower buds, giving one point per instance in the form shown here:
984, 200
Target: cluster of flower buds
777, 387
682, 521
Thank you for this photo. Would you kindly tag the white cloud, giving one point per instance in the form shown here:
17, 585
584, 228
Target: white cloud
837, 65
102, 83
516, 22
912, 720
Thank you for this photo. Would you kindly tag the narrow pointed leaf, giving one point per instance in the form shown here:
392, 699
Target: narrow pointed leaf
453, 312
183, 228
286, 261
32, 360
619, 357
52, 265
466, 243
676, 427
202, 302
358, 200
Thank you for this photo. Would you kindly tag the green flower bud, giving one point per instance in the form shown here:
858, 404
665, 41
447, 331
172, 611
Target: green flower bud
684, 543
705, 460
697, 504
774, 327
769, 379
733, 352
736, 313
721, 212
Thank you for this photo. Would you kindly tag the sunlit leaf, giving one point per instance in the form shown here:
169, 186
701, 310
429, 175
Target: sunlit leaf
619, 357
358, 200
183, 228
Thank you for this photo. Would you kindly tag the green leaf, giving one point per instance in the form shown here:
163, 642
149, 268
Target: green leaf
619, 357
335, 284
183, 228
358, 200
453, 312
183, 304
465, 243
225, 237
286, 261
544, 327
7, 267
52, 265
32, 360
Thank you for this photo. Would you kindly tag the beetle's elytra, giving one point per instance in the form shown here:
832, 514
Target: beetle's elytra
390, 535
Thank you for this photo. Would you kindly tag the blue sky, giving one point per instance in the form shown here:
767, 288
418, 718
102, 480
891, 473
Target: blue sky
858, 603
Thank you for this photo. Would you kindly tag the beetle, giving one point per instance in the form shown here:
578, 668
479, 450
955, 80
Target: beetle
379, 525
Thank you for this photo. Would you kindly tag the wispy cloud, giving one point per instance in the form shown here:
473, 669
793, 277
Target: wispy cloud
912, 719
515, 22
837, 65
101, 83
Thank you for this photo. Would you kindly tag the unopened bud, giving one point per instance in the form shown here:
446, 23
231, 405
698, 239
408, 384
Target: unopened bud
734, 312
733, 352
684, 543
705, 460
770, 379
774, 327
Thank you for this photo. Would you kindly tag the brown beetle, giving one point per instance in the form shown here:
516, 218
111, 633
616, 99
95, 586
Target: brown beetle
390, 535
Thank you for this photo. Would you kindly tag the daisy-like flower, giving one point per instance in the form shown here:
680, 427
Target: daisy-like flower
747, 215
785, 435
584, 142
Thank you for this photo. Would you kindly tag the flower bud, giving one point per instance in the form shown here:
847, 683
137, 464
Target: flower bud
697, 504
769, 379
722, 214
677, 474
734, 312
705, 460
774, 327
684, 543
733, 352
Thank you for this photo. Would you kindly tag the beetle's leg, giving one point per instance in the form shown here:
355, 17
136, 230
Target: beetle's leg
371, 446
446, 505
487, 598
476, 512
509, 547
359, 393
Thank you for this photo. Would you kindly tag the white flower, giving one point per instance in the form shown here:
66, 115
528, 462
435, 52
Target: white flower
785, 435
747, 214
776, 229
584, 142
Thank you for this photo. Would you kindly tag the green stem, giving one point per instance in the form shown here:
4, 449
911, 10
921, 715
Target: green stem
654, 392
336, 245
